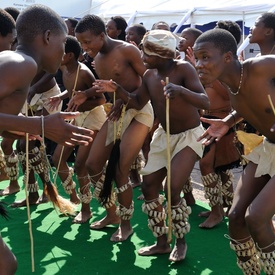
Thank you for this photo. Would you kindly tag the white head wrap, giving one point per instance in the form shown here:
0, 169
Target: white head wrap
160, 43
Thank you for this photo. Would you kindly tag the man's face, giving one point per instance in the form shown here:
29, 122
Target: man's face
55, 51
257, 31
131, 35
6, 42
90, 43
150, 61
209, 62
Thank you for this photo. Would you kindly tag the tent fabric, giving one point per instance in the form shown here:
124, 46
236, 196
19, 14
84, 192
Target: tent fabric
172, 11
195, 12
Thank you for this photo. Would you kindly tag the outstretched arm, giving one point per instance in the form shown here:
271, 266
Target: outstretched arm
218, 127
55, 128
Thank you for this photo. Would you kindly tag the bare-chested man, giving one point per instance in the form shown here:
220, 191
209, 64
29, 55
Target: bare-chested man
250, 85
186, 95
41, 37
77, 77
120, 61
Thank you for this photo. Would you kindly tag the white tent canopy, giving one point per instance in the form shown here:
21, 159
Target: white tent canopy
194, 12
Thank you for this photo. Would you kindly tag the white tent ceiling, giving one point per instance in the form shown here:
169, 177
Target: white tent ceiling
149, 12
174, 11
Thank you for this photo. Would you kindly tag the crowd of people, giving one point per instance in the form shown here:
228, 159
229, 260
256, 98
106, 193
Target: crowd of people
121, 107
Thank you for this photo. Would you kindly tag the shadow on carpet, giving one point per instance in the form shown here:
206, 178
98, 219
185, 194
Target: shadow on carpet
61, 247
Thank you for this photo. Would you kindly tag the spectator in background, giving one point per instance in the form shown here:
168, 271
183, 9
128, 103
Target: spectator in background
116, 27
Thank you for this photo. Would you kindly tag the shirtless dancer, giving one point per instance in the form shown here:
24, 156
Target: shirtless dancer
219, 157
37, 50
251, 231
7, 37
77, 77
120, 61
43, 86
186, 96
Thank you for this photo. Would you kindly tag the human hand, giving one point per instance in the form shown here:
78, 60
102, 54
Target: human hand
58, 130
53, 103
115, 113
190, 57
171, 90
103, 86
78, 99
216, 130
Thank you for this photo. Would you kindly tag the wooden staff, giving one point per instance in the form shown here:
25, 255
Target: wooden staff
62, 150
271, 104
26, 193
169, 239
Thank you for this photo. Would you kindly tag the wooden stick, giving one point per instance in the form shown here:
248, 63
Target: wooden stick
115, 125
27, 197
168, 180
271, 104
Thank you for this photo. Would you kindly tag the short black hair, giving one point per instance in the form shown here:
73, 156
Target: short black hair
232, 27
73, 21
268, 19
14, 12
92, 23
160, 23
194, 32
121, 25
222, 39
72, 46
7, 23
140, 29
35, 20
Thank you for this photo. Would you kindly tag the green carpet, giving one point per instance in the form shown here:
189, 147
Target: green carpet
65, 248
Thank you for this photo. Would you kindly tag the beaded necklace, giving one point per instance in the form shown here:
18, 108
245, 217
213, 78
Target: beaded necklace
240, 83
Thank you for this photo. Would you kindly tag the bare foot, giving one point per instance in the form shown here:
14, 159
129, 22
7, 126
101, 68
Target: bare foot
10, 189
105, 221
122, 234
179, 252
155, 250
141, 197
82, 217
33, 198
205, 214
189, 198
212, 220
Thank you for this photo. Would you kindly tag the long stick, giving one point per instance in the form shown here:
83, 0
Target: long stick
27, 197
271, 104
169, 239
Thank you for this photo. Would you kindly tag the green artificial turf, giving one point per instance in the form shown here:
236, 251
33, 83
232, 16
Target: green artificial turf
61, 247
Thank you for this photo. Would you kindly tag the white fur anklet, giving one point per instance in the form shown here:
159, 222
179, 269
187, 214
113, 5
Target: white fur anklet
87, 196
180, 215
213, 194
155, 217
267, 259
2, 159
125, 213
187, 188
12, 166
122, 188
228, 195
98, 186
69, 184
246, 249
34, 187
